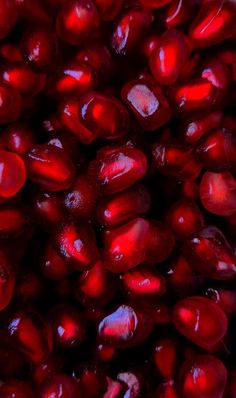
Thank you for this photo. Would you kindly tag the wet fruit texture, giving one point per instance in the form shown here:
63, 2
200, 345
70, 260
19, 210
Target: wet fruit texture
117, 198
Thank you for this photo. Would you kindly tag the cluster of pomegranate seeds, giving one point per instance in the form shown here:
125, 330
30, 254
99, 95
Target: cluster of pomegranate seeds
117, 199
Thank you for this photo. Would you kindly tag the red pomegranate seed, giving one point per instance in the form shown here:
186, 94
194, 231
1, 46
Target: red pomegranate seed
178, 12
77, 244
22, 78
10, 52
30, 334
109, 9
217, 151
18, 137
181, 278
76, 21
160, 242
176, 161
59, 385
154, 3
12, 222
143, 281
122, 207
203, 376
13, 174
218, 193
210, 254
125, 247
33, 11
90, 379
184, 218
200, 320
165, 357
16, 388
147, 102
29, 287
7, 280
132, 383
98, 57
225, 298
53, 266
74, 79
169, 57
129, 29
197, 95
192, 130
80, 199
47, 209
10, 104
50, 167
67, 326
95, 285
124, 328
39, 47
119, 168
8, 17
167, 390
213, 24
103, 115
46, 369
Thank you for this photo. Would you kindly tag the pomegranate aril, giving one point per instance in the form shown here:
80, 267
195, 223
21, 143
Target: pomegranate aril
73, 79
154, 3
31, 334
35, 11
147, 102
50, 167
122, 207
167, 390
59, 385
192, 130
103, 115
213, 24
98, 57
21, 77
178, 13
10, 52
195, 96
119, 169
10, 104
124, 328
80, 199
76, 21
90, 379
143, 281
13, 174
47, 209
18, 137
218, 193
16, 388
217, 151
165, 357
8, 17
160, 242
77, 244
203, 376
210, 254
128, 30
29, 287
95, 285
53, 266
7, 280
125, 247
68, 326
109, 9
225, 298
201, 321
168, 58
13, 222
133, 384
181, 278
184, 218
176, 161
46, 369
39, 47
